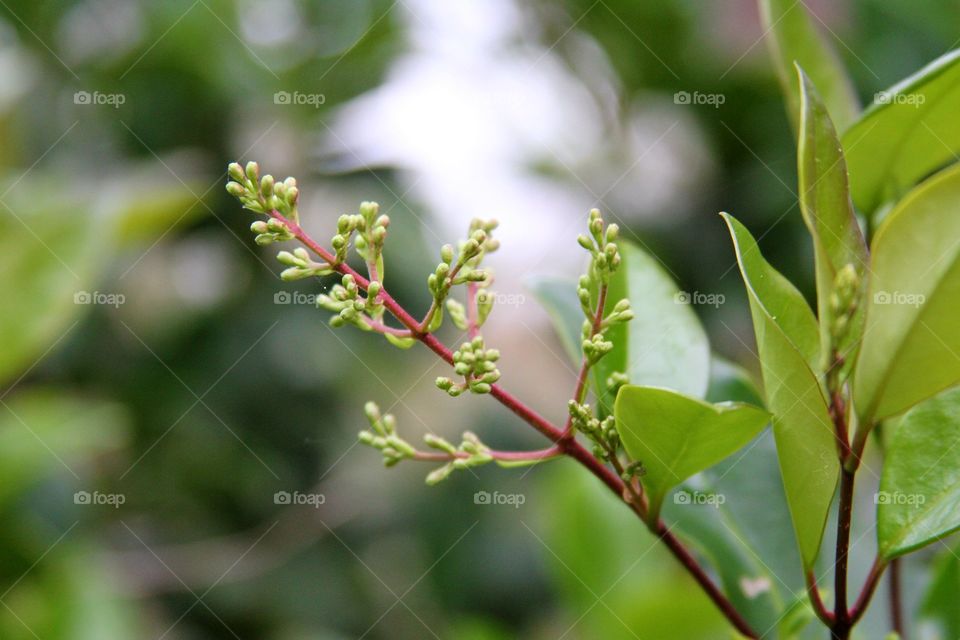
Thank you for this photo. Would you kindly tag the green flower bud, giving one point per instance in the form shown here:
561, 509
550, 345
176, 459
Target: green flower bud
259, 227
446, 253
236, 189
253, 172
266, 185
236, 172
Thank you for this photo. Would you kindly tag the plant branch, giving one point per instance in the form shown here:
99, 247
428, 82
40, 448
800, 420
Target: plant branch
869, 587
813, 591
503, 456
569, 446
896, 601
581, 387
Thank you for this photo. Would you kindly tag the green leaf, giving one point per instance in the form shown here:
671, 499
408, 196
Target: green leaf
912, 338
794, 38
746, 580
940, 602
919, 498
828, 213
731, 382
787, 339
910, 130
50, 251
676, 436
46, 431
665, 344
558, 296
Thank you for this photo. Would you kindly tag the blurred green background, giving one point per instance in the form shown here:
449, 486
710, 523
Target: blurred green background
162, 391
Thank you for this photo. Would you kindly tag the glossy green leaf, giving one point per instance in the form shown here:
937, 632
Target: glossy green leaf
787, 339
676, 436
827, 212
793, 37
919, 498
665, 344
912, 337
911, 130
558, 296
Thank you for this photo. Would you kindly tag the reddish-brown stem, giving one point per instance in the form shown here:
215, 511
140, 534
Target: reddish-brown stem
581, 387
896, 603
845, 516
379, 327
869, 587
506, 456
568, 446
813, 591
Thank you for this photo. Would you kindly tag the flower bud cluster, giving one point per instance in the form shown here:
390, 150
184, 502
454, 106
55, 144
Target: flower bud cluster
476, 364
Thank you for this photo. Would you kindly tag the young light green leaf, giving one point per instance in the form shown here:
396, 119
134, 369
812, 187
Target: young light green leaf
676, 436
787, 340
828, 214
909, 131
912, 336
665, 344
919, 498
793, 37
558, 296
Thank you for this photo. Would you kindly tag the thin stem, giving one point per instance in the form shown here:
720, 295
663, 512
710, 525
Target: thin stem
379, 327
813, 591
869, 587
896, 601
506, 456
568, 446
840, 612
581, 388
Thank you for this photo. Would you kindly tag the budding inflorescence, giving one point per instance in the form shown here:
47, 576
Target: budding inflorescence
265, 195
843, 302
383, 436
471, 453
602, 245
476, 364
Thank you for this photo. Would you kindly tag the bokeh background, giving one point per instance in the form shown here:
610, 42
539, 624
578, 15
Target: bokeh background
159, 385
